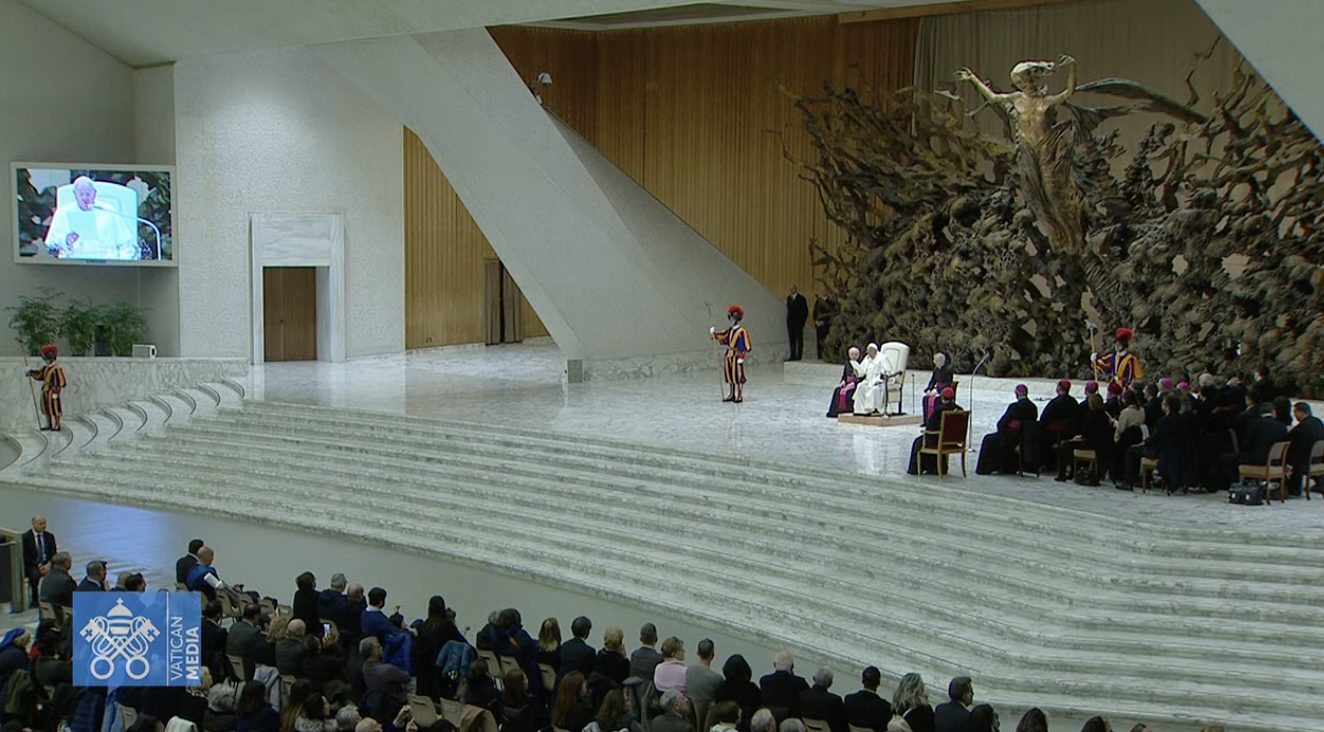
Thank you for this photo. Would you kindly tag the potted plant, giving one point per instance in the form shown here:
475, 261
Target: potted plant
35, 320
78, 325
123, 324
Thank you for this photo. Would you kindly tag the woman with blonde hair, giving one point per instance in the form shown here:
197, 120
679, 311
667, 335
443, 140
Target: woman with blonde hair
910, 705
549, 647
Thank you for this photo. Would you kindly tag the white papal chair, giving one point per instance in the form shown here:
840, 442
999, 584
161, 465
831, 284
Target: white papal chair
898, 354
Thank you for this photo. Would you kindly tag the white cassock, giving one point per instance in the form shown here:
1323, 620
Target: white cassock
102, 234
871, 393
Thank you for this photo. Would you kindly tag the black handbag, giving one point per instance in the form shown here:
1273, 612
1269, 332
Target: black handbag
1246, 494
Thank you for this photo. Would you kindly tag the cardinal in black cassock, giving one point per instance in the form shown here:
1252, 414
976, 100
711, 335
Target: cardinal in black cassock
997, 453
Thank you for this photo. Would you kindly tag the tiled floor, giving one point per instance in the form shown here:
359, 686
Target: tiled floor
522, 385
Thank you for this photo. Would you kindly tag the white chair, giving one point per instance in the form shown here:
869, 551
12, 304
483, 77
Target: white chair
897, 354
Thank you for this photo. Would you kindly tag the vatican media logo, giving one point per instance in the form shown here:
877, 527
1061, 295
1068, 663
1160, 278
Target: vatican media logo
137, 639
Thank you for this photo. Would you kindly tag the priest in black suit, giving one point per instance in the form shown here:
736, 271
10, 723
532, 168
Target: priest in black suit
865, 708
997, 453
1308, 430
797, 314
38, 548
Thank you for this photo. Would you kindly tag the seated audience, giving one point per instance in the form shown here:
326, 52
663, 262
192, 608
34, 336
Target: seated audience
1033, 720
676, 713
548, 652
614, 715
214, 639
95, 581
932, 426
435, 631
1262, 431
289, 650
701, 681
738, 688
135, 582
58, 586
1113, 405
724, 717
1000, 451
845, 390
1057, 422
611, 661
519, 713
780, 690
379, 676
1097, 724
576, 653
953, 715
817, 702
791, 725
1308, 431
480, 690
203, 577
186, 563
52, 667
253, 713
983, 718
645, 658
323, 660
763, 721
1096, 433
348, 717
670, 674
572, 711
865, 708
910, 705
247, 640
315, 715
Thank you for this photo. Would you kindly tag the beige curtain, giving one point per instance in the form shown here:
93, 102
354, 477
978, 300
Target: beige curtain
1153, 42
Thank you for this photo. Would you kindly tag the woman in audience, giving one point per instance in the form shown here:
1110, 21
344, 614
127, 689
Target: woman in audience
305, 603
549, 644
738, 687
724, 716
1097, 724
571, 712
14, 654
1033, 721
517, 707
612, 662
510, 639
670, 674
222, 703
289, 714
433, 633
315, 715
614, 715
910, 705
253, 713
982, 717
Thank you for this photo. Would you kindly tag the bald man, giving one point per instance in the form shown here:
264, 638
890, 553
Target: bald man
203, 577
87, 230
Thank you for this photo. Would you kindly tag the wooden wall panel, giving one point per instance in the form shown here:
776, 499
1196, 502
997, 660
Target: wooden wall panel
695, 114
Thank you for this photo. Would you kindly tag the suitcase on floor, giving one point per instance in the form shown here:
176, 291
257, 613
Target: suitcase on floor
1246, 494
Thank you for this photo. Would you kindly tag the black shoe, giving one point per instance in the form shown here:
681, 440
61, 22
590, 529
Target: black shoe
738, 401
729, 399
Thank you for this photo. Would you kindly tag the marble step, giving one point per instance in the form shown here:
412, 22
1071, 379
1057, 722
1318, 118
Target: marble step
1261, 578
270, 506
934, 495
930, 600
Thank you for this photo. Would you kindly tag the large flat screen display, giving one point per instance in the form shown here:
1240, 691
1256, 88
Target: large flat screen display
67, 213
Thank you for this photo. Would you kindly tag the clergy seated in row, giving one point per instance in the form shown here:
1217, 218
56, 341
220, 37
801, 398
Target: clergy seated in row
1058, 423
1308, 431
1097, 432
1173, 444
1266, 426
873, 372
941, 378
1016, 441
843, 395
928, 464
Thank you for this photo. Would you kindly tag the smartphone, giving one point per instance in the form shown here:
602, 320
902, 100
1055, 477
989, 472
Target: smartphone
326, 629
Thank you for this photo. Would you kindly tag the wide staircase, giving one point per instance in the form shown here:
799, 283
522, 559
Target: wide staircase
1074, 612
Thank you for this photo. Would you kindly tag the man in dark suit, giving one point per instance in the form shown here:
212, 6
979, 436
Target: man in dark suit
576, 653
186, 563
780, 690
817, 702
58, 586
645, 658
215, 639
954, 715
1308, 430
38, 548
246, 640
331, 601
95, 581
350, 616
1261, 432
797, 314
865, 708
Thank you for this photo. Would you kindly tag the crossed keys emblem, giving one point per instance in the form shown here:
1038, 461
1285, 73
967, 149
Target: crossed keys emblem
119, 634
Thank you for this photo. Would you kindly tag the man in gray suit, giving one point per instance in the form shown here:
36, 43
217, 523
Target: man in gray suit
646, 658
701, 681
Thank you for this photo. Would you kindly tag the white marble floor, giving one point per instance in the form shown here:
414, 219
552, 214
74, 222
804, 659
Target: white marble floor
522, 385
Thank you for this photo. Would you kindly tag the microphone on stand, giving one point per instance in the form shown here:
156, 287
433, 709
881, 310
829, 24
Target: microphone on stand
971, 422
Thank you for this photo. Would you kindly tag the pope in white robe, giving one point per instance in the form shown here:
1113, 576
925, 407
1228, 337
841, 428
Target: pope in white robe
89, 231
871, 393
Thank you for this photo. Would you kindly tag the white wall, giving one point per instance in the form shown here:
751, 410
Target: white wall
60, 99
1281, 40
278, 131
154, 144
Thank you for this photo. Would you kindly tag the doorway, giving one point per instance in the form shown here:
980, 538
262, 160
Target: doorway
289, 313
503, 305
